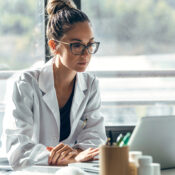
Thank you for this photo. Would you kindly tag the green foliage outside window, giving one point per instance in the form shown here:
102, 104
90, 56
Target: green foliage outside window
138, 27
129, 27
21, 33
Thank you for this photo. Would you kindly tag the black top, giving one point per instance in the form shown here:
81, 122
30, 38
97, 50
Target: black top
65, 117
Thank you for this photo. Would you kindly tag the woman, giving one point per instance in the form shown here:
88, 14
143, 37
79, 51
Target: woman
54, 112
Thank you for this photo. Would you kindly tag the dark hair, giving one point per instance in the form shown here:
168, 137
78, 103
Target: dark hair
62, 15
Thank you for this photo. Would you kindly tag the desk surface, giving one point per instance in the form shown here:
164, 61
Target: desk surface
52, 170
37, 170
46, 170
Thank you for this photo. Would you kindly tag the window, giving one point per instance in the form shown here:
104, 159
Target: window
136, 60
21, 39
135, 63
21, 33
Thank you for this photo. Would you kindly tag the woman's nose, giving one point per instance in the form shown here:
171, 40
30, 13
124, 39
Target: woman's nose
85, 52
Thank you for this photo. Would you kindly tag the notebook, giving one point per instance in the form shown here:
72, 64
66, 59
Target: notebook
155, 136
4, 164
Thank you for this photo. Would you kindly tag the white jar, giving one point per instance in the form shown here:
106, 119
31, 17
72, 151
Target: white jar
156, 168
134, 156
145, 167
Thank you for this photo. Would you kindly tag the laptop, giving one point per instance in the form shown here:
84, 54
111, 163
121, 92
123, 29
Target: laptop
155, 136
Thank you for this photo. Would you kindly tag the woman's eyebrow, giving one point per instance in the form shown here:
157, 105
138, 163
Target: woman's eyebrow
91, 39
75, 39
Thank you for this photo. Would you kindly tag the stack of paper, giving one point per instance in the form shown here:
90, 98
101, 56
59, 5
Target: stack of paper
92, 167
4, 164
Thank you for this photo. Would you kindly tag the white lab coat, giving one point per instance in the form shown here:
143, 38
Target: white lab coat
32, 117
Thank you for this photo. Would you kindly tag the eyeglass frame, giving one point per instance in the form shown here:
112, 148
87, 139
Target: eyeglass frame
85, 46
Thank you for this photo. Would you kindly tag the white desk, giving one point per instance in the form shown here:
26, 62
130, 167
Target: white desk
36, 170
53, 169
48, 170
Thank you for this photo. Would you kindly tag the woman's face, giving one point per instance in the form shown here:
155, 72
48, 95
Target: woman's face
80, 33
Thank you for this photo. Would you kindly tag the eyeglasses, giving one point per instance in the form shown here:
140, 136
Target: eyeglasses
79, 48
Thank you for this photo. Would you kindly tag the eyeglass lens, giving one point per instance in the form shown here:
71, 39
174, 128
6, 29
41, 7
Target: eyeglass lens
78, 48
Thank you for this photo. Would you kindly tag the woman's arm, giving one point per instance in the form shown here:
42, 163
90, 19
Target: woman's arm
19, 140
93, 134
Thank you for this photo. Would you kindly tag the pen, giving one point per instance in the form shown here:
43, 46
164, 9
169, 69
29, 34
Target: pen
125, 140
111, 138
119, 139
84, 123
108, 142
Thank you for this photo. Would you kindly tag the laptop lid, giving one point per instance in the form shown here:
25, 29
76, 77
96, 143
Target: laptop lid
155, 136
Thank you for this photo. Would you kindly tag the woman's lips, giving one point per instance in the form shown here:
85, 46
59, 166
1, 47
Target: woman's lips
82, 63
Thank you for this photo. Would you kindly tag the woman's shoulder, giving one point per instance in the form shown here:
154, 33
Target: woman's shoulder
33, 77
29, 74
26, 75
24, 81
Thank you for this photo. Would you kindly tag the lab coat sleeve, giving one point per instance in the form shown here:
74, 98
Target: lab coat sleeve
21, 146
93, 134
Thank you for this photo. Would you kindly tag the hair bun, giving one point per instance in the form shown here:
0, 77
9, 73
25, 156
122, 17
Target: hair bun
55, 5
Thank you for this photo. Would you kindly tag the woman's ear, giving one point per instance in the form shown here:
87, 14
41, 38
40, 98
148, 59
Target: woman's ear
52, 45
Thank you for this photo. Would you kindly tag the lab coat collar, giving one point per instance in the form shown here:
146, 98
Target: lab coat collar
81, 83
79, 95
46, 79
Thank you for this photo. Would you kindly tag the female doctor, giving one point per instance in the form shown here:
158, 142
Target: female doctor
54, 115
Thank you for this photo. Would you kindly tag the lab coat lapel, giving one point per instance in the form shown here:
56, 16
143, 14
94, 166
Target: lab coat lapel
80, 88
46, 84
51, 100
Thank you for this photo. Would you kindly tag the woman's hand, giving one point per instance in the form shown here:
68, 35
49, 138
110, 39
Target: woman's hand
62, 155
87, 155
